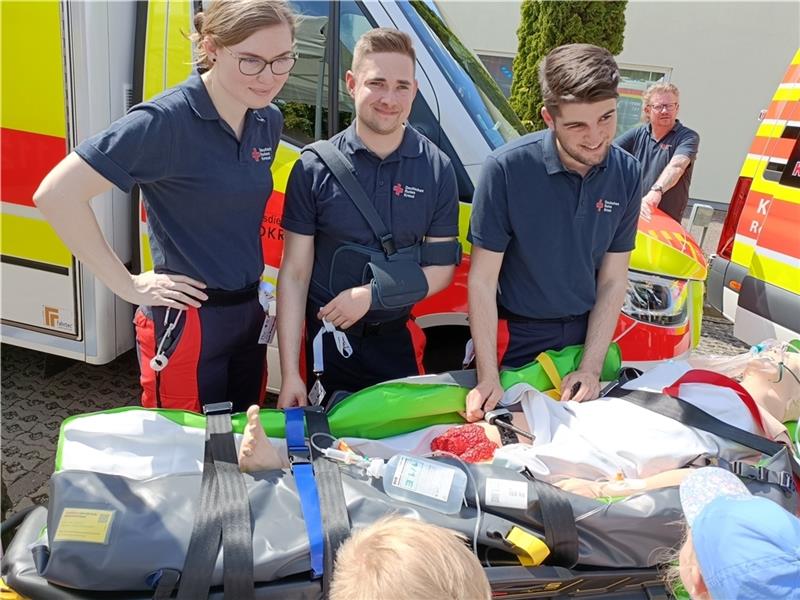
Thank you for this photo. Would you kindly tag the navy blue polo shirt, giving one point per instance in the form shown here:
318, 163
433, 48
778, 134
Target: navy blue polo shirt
413, 189
655, 156
553, 225
204, 190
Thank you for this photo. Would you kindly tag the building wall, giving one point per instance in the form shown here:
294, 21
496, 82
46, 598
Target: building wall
726, 57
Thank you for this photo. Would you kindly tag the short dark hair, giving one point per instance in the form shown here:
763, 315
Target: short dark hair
577, 73
383, 40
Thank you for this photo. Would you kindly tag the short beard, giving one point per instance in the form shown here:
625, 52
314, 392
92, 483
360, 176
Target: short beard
583, 161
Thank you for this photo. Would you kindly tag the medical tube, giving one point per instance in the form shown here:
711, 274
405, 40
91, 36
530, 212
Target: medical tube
478, 511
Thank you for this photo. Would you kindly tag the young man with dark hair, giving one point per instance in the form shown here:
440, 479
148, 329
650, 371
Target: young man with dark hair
553, 225
325, 272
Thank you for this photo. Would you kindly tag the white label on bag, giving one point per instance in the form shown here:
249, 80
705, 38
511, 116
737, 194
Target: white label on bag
267, 330
423, 478
317, 393
506, 494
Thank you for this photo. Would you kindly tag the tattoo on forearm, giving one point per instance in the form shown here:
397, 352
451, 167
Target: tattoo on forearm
673, 171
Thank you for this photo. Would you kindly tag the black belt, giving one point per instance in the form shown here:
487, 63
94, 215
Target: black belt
217, 297
504, 313
367, 329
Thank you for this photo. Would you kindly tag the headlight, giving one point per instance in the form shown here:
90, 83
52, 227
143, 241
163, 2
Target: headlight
657, 300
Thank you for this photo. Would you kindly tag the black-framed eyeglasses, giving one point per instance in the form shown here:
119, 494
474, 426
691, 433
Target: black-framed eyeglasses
664, 107
253, 65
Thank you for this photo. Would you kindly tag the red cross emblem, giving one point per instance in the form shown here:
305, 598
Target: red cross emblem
256, 154
599, 205
397, 189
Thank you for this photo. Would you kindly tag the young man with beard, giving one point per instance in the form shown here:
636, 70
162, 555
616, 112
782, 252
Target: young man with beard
325, 273
667, 150
553, 225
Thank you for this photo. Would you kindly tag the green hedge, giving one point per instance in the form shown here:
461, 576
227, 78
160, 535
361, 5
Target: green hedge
544, 25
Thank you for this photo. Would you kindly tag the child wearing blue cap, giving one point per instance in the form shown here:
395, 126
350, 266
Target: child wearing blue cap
739, 546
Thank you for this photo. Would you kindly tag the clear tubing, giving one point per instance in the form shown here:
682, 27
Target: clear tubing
478, 510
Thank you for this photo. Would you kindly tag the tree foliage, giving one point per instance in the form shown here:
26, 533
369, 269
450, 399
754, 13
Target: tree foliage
546, 24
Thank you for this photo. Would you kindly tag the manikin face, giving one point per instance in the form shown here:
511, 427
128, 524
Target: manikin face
252, 91
584, 132
383, 88
662, 110
773, 379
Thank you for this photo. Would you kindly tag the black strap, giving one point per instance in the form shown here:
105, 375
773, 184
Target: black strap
206, 535
237, 536
224, 512
689, 414
333, 506
759, 473
558, 522
447, 252
167, 580
341, 169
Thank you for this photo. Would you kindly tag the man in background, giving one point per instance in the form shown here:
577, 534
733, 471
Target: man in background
667, 150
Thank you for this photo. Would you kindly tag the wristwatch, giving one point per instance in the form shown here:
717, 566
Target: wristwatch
657, 187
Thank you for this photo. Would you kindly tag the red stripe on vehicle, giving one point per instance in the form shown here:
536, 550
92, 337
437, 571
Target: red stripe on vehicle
418, 340
792, 74
272, 230
502, 340
754, 214
781, 109
25, 158
779, 232
772, 147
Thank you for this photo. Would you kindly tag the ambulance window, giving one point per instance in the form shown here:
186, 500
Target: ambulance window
304, 99
353, 23
791, 172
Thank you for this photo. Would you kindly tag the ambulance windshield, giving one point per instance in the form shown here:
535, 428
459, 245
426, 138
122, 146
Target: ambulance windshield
469, 79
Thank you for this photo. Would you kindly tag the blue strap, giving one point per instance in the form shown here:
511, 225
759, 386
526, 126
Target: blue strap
300, 459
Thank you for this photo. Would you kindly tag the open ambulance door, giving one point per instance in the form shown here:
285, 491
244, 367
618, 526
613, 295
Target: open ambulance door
40, 280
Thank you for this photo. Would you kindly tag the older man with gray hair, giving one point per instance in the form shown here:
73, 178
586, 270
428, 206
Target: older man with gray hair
667, 150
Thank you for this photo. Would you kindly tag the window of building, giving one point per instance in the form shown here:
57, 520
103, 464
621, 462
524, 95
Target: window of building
634, 80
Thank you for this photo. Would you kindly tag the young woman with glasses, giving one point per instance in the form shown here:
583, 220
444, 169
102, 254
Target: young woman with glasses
200, 154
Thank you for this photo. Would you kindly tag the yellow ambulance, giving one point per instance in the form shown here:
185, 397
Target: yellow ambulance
754, 277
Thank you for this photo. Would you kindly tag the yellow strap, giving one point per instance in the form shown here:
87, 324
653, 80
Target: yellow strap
6, 593
535, 550
549, 368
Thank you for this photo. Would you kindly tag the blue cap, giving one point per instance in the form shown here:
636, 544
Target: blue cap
748, 547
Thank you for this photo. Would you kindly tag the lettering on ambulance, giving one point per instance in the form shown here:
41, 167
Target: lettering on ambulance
757, 223
271, 228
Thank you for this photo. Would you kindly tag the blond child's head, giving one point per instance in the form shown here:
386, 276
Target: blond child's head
399, 558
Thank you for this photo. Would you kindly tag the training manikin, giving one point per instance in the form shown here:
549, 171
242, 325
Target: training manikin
607, 446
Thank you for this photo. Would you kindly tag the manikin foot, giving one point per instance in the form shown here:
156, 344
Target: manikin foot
256, 452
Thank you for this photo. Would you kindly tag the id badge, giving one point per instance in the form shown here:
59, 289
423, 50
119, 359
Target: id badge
267, 330
317, 393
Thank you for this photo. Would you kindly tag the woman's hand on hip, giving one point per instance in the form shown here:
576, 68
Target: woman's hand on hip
161, 289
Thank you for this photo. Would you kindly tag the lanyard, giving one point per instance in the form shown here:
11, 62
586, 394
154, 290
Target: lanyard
342, 345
